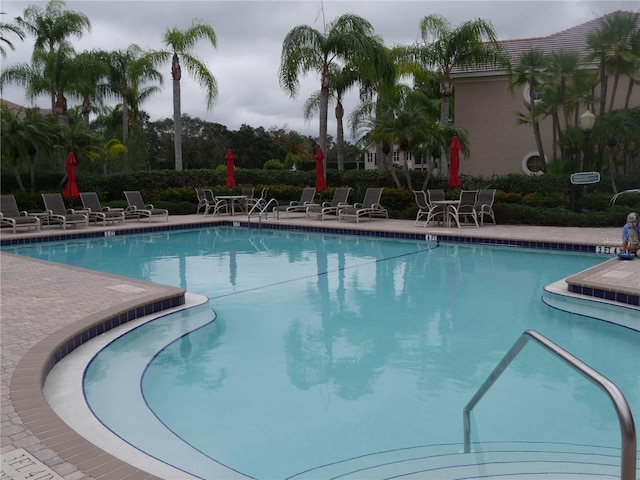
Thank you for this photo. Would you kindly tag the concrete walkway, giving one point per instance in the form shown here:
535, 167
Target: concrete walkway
48, 309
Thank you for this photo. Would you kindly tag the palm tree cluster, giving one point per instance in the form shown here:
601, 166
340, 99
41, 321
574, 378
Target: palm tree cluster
416, 117
563, 84
93, 77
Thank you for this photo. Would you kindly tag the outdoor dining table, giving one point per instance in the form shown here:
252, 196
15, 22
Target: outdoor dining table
447, 208
233, 200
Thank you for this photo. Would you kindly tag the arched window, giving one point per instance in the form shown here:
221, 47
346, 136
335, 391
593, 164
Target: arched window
537, 93
532, 165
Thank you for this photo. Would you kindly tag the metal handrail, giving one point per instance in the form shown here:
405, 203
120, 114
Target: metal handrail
625, 418
261, 209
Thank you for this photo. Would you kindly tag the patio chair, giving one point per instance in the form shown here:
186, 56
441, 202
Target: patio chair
465, 207
255, 203
213, 204
484, 205
137, 208
97, 212
330, 209
202, 200
306, 200
370, 207
11, 216
426, 209
58, 213
243, 204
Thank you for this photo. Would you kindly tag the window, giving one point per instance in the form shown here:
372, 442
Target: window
537, 93
371, 157
396, 156
532, 165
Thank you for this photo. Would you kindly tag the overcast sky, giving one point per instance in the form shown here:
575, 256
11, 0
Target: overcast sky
250, 35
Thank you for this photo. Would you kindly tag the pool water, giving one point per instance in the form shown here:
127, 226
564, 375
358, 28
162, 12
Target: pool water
326, 347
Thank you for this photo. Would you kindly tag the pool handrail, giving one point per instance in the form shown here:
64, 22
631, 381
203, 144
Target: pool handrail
625, 417
261, 207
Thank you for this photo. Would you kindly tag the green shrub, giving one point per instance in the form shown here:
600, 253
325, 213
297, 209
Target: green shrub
273, 164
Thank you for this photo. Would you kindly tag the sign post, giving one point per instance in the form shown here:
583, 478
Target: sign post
582, 178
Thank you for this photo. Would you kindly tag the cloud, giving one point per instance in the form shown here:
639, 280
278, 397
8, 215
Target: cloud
250, 35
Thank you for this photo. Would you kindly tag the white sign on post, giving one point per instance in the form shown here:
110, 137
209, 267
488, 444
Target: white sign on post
585, 178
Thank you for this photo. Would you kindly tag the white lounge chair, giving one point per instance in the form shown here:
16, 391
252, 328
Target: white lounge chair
11, 216
370, 207
330, 209
97, 212
137, 207
58, 213
306, 199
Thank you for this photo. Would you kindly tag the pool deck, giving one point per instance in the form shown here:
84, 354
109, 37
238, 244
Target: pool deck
45, 307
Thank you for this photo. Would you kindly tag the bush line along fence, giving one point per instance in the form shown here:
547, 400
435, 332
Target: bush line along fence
520, 199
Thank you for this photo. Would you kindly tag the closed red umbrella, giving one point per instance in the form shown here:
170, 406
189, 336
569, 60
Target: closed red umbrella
71, 189
454, 163
231, 181
321, 184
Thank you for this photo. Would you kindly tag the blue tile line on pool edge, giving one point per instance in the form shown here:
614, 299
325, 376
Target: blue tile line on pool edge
570, 247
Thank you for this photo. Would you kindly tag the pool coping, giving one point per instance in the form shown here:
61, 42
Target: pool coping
62, 444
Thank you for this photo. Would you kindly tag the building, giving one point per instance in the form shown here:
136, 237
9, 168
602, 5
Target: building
486, 107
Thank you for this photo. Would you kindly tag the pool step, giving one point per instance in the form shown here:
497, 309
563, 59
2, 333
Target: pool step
488, 460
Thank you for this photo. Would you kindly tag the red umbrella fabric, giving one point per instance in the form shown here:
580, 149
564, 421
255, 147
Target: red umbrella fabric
454, 163
231, 181
321, 184
71, 189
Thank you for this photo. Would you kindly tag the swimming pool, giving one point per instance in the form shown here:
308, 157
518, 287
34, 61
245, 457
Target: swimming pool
327, 348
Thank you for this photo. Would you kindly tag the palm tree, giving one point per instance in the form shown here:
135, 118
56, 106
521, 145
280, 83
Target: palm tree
620, 37
471, 44
91, 85
305, 50
343, 78
51, 27
48, 72
23, 134
129, 69
181, 42
530, 71
8, 27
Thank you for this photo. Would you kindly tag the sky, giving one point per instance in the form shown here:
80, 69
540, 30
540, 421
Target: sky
249, 44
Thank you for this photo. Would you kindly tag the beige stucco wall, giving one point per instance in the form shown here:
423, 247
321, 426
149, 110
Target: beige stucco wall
487, 109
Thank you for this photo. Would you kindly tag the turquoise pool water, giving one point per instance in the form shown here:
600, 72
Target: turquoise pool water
328, 347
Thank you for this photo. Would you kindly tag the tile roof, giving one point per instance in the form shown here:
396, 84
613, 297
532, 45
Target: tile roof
571, 40
20, 109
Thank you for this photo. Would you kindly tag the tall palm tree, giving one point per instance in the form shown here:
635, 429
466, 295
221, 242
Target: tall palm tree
305, 50
531, 71
343, 78
8, 27
181, 43
52, 27
471, 44
129, 69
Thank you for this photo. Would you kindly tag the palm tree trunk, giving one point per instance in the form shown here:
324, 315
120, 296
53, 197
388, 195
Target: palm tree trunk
125, 114
16, 173
324, 112
340, 135
614, 88
629, 90
176, 75
177, 125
